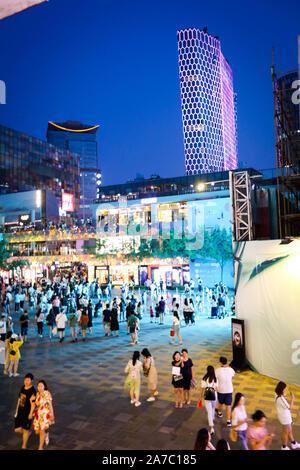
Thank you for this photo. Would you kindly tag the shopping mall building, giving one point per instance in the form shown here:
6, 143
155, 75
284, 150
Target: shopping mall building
173, 207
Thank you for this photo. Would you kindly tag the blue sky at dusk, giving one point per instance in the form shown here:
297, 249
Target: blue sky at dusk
115, 63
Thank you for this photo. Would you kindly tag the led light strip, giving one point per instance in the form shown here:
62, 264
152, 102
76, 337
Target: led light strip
73, 130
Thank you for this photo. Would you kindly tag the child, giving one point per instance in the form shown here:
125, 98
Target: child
151, 314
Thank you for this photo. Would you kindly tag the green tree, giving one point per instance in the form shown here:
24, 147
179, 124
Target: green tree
6, 253
218, 246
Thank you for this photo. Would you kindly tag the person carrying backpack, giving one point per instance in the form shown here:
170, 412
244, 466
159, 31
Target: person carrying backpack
132, 324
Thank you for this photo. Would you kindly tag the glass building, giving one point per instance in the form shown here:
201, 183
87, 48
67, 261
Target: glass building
208, 103
30, 163
82, 139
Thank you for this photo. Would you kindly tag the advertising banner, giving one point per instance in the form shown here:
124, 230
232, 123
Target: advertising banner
267, 289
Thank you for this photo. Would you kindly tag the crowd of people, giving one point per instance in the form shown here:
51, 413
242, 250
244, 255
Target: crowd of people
71, 301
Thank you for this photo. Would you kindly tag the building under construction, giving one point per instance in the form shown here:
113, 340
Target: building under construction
287, 141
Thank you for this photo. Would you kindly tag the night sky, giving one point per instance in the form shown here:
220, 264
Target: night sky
115, 63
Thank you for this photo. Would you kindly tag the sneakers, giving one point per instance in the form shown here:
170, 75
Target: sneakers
229, 424
132, 401
285, 448
295, 446
137, 403
155, 394
151, 399
219, 414
16, 375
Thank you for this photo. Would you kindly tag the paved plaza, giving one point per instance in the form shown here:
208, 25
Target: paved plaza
92, 409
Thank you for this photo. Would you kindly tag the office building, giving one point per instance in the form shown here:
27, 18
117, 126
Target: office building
28, 163
82, 139
208, 103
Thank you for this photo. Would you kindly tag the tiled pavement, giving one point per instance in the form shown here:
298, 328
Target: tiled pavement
92, 409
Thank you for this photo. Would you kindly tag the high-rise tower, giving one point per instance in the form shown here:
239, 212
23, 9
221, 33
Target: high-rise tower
207, 102
82, 139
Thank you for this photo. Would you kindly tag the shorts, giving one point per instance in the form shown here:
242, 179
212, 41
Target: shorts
132, 329
24, 330
286, 426
60, 329
225, 398
23, 422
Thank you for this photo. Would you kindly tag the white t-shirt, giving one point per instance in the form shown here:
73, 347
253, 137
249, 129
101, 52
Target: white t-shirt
239, 414
224, 376
283, 410
61, 320
2, 327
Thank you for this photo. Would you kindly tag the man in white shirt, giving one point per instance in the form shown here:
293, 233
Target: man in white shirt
224, 374
61, 322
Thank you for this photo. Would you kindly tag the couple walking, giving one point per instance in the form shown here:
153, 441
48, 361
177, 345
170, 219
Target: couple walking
134, 369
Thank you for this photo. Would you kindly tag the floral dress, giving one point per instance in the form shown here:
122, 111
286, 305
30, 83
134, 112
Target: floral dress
41, 420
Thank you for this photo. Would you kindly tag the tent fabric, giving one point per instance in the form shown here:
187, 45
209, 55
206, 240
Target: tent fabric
10, 7
267, 285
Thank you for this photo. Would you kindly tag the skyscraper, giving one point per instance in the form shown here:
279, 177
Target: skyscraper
28, 163
208, 103
82, 139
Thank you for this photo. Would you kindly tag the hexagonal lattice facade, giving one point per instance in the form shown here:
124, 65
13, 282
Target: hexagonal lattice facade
207, 102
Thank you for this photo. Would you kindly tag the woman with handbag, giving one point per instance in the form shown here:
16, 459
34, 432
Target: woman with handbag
151, 373
177, 377
239, 422
14, 354
176, 326
209, 389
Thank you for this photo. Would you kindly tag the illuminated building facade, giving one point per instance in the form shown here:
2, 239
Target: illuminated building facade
82, 139
208, 104
30, 163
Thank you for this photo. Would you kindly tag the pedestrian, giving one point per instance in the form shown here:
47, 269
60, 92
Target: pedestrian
17, 301
150, 372
14, 354
224, 374
240, 420
176, 326
7, 349
114, 323
162, 306
132, 324
177, 378
39, 318
84, 320
157, 312
214, 307
3, 328
222, 444
106, 319
56, 305
50, 320
61, 321
133, 379
22, 421
42, 413
284, 408
188, 376
151, 314
203, 440
72, 322
24, 322
209, 389
90, 315
257, 434
186, 310
191, 312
